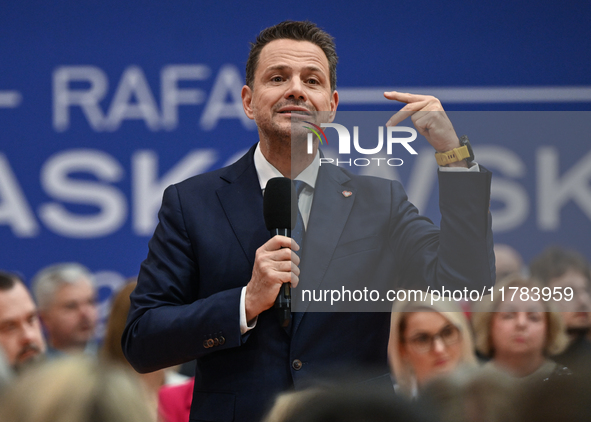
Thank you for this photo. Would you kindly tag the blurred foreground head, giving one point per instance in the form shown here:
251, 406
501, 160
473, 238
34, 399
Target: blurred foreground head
563, 399
74, 389
473, 395
354, 403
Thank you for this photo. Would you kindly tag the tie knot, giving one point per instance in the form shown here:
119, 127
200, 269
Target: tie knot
299, 186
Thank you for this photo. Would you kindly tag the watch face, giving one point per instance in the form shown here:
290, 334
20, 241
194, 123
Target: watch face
464, 141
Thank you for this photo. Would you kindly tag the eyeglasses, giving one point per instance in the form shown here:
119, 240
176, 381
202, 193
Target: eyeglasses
423, 342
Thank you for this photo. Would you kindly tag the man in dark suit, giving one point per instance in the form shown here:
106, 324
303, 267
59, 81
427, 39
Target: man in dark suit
207, 287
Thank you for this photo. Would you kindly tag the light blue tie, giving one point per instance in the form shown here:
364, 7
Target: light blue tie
299, 230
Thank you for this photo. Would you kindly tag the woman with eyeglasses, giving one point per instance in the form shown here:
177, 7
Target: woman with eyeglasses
521, 332
427, 341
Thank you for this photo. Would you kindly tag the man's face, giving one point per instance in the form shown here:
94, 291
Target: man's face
575, 312
71, 318
20, 330
292, 79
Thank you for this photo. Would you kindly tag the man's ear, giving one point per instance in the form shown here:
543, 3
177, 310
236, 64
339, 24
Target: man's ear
246, 95
334, 102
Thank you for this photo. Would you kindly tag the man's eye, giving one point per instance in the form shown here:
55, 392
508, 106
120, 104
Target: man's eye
313, 81
276, 78
7, 328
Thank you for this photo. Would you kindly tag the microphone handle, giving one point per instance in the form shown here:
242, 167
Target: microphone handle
283, 300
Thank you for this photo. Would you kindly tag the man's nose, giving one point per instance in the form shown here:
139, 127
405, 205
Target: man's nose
29, 333
295, 89
89, 312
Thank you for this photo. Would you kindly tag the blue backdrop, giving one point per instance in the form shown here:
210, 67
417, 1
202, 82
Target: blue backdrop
104, 104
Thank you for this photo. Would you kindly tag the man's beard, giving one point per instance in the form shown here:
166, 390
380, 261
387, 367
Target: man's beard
19, 365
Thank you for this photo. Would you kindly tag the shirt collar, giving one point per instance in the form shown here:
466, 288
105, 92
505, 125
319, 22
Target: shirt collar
266, 170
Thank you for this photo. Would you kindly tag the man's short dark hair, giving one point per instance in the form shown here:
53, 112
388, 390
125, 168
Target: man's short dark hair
8, 280
556, 261
293, 30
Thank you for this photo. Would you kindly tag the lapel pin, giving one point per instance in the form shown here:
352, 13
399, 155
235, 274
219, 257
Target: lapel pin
347, 193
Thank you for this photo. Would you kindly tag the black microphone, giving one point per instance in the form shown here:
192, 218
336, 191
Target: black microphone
280, 212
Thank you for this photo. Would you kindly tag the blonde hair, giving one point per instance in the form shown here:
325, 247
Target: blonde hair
450, 310
111, 349
556, 339
74, 389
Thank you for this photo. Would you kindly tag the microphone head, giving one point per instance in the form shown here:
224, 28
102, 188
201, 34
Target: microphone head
279, 204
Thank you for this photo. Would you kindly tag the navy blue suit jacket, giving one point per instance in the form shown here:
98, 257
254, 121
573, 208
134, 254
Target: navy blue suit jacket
186, 303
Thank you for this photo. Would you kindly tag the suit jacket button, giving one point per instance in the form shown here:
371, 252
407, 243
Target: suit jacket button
222, 340
205, 344
216, 341
296, 364
209, 342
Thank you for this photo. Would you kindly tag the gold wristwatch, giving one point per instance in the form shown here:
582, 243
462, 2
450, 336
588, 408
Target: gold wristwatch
463, 152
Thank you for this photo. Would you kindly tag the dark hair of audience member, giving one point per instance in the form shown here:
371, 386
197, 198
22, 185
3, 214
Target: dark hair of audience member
354, 403
472, 395
563, 399
555, 261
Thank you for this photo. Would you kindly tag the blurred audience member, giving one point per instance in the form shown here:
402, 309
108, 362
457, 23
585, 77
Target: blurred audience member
5, 371
427, 341
564, 399
519, 333
111, 350
507, 261
342, 404
559, 269
74, 389
472, 395
20, 331
66, 297
174, 401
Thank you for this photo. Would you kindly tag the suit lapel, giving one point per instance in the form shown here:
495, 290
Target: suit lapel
242, 202
329, 214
